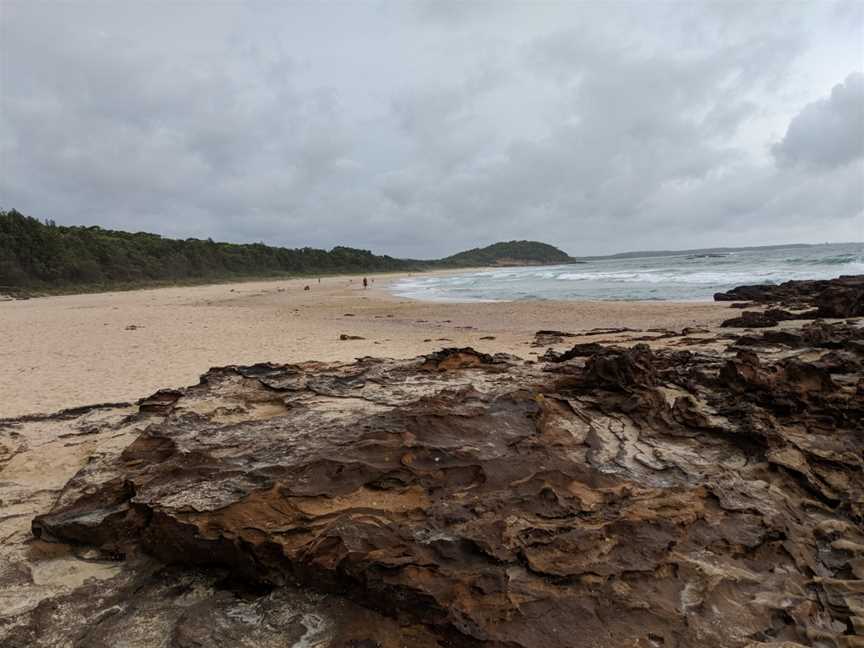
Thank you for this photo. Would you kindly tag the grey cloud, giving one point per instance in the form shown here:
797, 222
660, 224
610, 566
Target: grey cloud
155, 143
418, 129
828, 132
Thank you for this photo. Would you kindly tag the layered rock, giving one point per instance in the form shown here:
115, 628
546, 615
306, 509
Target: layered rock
841, 297
612, 496
72, 594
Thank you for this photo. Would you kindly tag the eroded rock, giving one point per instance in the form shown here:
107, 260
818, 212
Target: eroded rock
832, 298
750, 319
615, 497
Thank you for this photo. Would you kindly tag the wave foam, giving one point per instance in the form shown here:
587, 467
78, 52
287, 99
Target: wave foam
682, 277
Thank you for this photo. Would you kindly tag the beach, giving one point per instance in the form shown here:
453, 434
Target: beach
73, 350
611, 476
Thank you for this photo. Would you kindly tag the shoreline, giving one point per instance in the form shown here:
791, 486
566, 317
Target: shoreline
65, 351
449, 300
72, 291
647, 439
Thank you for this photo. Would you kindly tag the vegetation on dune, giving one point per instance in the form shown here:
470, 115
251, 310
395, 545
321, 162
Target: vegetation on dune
38, 256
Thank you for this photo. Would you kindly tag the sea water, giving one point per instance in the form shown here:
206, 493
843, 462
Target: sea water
675, 276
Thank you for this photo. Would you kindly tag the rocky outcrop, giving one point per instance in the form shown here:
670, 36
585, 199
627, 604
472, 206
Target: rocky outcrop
546, 338
74, 594
837, 298
750, 319
767, 318
842, 336
614, 496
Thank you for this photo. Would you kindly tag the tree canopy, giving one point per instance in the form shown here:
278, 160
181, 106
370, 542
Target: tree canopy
38, 255
43, 256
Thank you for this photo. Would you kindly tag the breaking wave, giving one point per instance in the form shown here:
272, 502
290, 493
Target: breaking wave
673, 277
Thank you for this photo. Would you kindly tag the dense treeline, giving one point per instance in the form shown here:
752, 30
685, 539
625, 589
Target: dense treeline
36, 255
42, 256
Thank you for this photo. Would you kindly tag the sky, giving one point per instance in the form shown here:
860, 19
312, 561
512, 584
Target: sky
419, 128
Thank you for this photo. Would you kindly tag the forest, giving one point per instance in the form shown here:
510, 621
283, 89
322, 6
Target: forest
41, 256
36, 255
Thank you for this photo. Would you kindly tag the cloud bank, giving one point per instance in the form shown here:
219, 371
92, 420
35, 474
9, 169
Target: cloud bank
829, 132
418, 129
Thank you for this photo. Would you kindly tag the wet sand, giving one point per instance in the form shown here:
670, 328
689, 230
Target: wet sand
66, 351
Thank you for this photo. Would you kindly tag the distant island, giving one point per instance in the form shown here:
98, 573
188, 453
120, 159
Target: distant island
38, 256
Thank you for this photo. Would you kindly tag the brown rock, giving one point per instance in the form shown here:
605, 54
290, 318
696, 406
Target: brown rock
584, 350
545, 338
645, 498
835, 298
750, 319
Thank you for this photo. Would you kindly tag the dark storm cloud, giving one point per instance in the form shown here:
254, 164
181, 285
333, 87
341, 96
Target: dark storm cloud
422, 128
828, 132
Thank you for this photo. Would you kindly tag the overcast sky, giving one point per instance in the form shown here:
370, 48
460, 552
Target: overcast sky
422, 128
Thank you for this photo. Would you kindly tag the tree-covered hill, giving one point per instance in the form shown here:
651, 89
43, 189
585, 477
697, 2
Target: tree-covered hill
510, 253
38, 256
42, 256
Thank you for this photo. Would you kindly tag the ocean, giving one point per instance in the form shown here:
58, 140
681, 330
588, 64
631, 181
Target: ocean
676, 276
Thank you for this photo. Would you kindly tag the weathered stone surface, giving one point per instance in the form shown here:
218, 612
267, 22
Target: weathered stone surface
58, 595
583, 350
767, 318
818, 334
841, 297
615, 497
545, 337
750, 319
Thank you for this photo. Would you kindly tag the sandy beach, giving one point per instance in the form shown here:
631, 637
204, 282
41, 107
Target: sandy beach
67, 351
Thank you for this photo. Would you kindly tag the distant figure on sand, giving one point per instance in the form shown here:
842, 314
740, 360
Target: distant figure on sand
365, 283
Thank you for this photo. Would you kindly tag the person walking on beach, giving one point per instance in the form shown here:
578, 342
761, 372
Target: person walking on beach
365, 283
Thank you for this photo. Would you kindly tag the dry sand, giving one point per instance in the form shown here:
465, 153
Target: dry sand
66, 351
